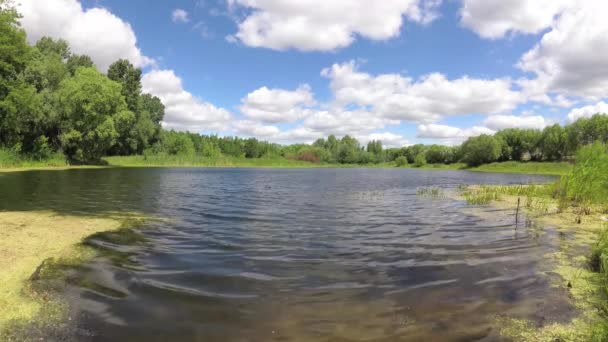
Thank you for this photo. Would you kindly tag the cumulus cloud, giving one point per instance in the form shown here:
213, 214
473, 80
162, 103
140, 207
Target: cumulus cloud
325, 25
498, 122
180, 16
496, 18
572, 58
278, 105
388, 139
183, 111
588, 111
424, 100
95, 32
450, 135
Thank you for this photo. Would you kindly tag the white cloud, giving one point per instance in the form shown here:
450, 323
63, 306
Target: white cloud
498, 122
340, 122
450, 135
183, 111
572, 58
255, 129
325, 25
180, 16
425, 100
278, 105
495, 18
388, 139
95, 32
587, 111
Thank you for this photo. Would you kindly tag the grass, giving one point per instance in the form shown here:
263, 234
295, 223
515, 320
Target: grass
539, 168
432, 192
11, 160
199, 161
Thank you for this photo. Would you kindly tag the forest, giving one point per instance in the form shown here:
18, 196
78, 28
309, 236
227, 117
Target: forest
56, 104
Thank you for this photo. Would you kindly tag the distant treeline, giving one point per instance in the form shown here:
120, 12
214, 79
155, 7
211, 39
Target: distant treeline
53, 101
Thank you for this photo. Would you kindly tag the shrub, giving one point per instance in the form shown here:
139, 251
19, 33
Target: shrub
420, 160
481, 150
401, 161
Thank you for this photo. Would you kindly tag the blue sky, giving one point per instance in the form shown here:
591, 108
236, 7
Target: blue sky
404, 71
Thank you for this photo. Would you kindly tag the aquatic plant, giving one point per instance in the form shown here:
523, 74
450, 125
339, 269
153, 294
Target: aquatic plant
432, 192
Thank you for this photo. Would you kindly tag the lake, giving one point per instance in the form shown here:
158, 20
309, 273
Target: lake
299, 255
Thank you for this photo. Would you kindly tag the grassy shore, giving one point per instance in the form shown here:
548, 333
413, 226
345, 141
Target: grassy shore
34, 247
59, 163
576, 261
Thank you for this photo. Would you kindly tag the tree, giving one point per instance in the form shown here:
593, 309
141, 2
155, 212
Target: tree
123, 72
78, 61
401, 161
554, 143
419, 160
412, 151
88, 103
481, 150
49, 46
251, 148
438, 154
518, 143
14, 51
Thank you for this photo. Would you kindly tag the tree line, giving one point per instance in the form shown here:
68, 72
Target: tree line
54, 101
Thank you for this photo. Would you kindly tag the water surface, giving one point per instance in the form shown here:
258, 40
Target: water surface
299, 255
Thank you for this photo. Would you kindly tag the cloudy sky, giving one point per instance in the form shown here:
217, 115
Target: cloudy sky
403, 71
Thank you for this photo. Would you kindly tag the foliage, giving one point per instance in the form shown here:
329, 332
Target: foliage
481, 150
588, 181
401, 161
419, 160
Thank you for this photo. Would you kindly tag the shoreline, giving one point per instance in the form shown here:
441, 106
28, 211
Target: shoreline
34, 265
532, 168
579, 232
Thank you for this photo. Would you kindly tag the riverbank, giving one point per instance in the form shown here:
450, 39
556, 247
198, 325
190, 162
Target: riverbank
34, 245
576, 261
542, 168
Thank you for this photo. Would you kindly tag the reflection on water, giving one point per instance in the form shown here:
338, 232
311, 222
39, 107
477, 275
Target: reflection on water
300, 255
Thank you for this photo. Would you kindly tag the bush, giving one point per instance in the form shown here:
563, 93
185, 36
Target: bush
401, 161
481, 150
420, 160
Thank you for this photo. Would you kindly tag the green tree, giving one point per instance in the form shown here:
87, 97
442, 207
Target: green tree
123, 72
14, 51
438, 154
78, 61
401, 161
481, 150
554, 143
49, 46
420, 160
88, 104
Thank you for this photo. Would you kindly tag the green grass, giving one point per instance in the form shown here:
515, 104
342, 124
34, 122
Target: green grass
199, 161
11, 160
539, 168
